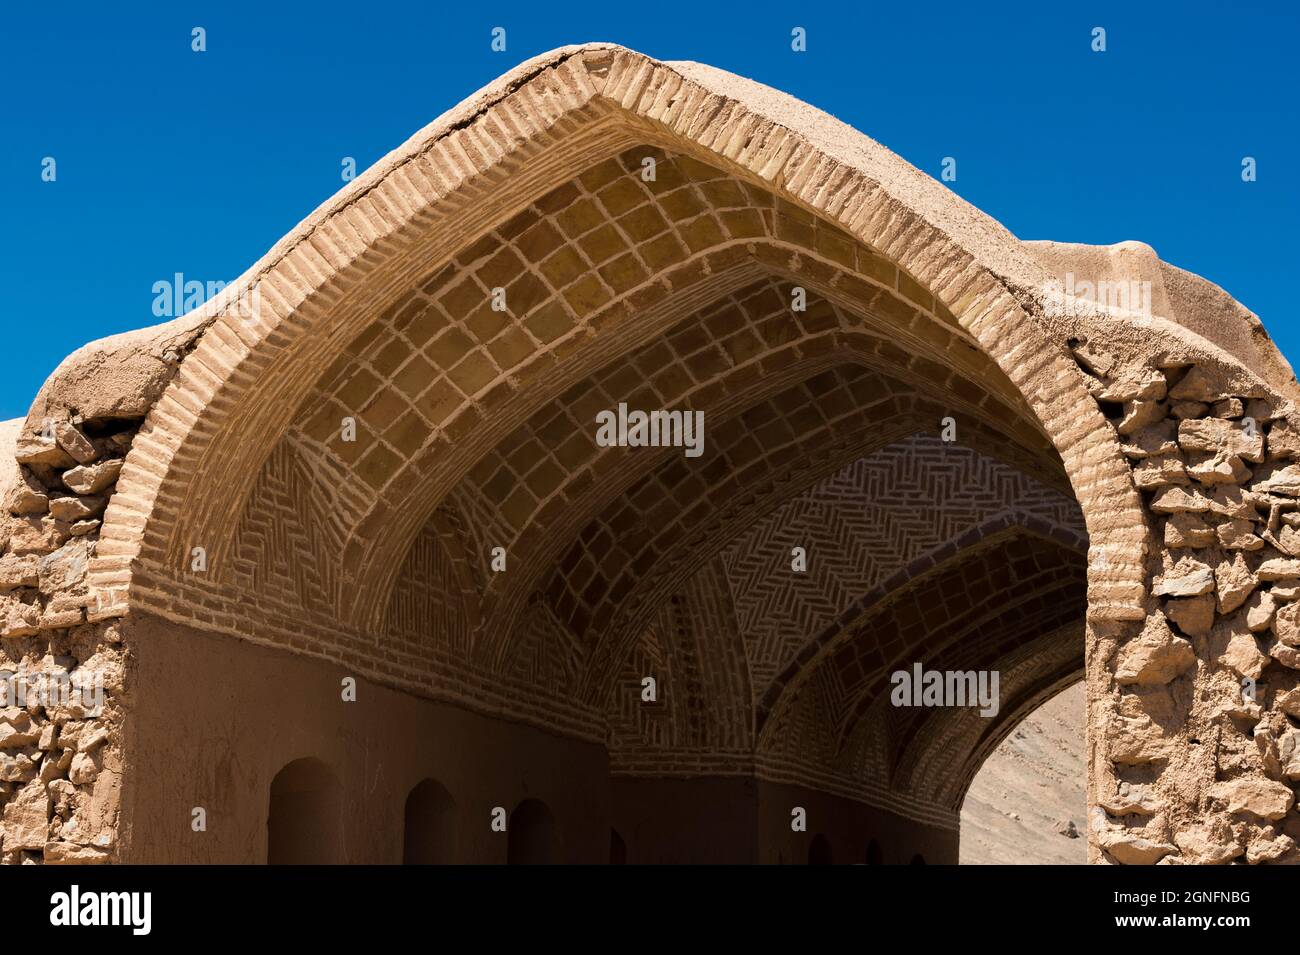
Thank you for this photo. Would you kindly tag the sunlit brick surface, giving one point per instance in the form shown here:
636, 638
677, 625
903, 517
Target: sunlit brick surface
1112, 503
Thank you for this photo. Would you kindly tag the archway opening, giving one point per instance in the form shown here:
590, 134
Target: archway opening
819, 852
429, 835
472, 336
840, 486
617, 848
1028, 802
531, 834
305, 822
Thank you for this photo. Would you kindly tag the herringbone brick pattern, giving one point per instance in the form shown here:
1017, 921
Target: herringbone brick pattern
973, 612
442, 359
861, 526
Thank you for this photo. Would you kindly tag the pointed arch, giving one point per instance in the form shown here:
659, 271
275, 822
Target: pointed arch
290, 319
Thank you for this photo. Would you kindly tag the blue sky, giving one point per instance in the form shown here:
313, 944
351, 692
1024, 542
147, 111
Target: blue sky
174, 161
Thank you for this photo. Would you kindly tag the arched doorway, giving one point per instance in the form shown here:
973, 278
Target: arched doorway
530, 834
429, 835
1027, 804
617, 848
304, 824
819, 853
831, 372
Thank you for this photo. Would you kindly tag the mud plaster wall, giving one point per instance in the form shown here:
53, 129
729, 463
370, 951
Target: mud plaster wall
217, 718
733, 820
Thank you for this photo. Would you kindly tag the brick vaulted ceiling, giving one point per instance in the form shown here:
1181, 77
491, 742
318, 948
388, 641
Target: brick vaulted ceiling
441, 363
922, 287
475, 430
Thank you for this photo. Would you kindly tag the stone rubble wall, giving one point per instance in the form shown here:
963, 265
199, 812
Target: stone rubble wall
60, 752
1193, 713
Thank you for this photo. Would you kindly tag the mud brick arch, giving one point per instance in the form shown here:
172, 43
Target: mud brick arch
323, 285
354, 437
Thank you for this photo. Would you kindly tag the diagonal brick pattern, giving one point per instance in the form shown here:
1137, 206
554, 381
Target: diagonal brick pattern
861, 526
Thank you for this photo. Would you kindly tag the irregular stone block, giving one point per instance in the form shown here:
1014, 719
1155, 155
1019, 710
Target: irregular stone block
1289, 702
1284, 481
1197, 385
1288, 754
1131, 736
1279, 569
1287, 540
1139, 414
1098, 362
16, 768
67, 853
18, 619
1155, 657
1264, 798
1202, 845
1221, 438
1229, 408
1287, 656
1259, 851
37, 535
1132, 383
27, 818
1188, 578
1194, 616
1234, 502
1238, 535
1188, 530
1130, 799
39, 449
1130, 848
1218, 469
72, 509
71, 439
1160, 471
1176, 500
1155, 440
28, 496
1286, 624
1260, 609
92, 478
1283, 441
83, 769
18, 571
65, 570
1239, 651
17, 729
1188, 409
1234, 583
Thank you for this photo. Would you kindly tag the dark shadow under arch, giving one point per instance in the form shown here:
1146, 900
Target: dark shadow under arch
429, 834
530, 838
617, 848
304, 823
819, 853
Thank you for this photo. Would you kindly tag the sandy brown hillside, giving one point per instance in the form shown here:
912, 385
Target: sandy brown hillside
1030, 789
